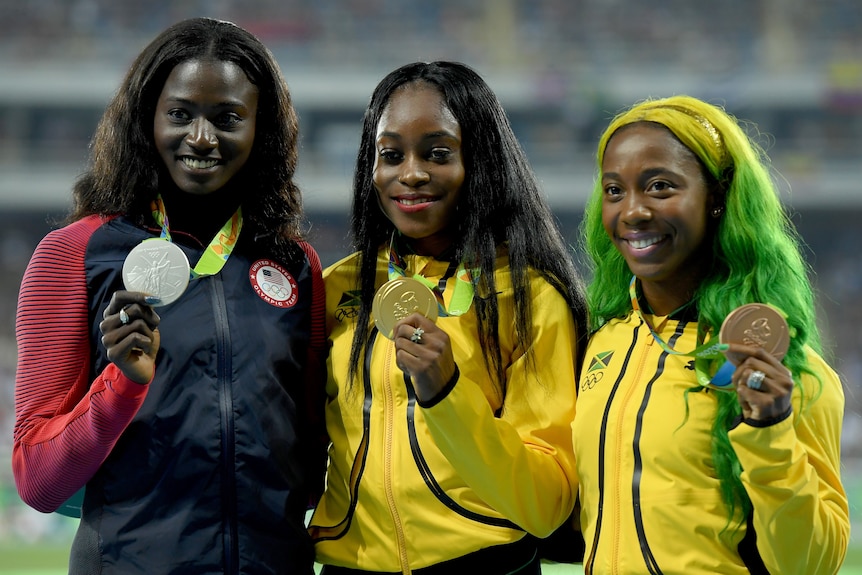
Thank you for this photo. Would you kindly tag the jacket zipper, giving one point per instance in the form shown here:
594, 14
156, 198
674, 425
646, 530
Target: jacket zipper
388, 432
223, 358
618, 449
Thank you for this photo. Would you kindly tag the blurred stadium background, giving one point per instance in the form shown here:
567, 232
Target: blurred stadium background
561, 68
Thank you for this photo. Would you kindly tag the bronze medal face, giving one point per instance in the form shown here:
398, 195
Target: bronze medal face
398, 298
159, 268
755, 324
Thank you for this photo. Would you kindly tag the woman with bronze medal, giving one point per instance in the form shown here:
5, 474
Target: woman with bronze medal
453, 328
170, 334
708, 427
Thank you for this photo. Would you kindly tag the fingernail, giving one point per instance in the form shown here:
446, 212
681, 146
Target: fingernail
152, 300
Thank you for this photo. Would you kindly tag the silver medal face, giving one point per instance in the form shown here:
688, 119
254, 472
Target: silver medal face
159, 268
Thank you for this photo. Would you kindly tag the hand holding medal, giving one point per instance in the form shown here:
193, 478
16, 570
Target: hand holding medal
405, 310
156, 272
758, 338
130, 334
751, 329
753, 325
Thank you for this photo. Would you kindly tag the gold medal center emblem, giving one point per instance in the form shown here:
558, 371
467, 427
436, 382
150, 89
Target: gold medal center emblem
398, 298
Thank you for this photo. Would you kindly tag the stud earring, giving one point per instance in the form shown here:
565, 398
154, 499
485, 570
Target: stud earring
717, 211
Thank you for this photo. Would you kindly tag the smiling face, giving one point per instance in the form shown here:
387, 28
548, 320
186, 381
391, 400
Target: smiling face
655, 209
418, 167
204, 124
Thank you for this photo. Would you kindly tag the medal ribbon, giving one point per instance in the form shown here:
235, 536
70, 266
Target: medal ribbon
462, 295
219, 248
702, 354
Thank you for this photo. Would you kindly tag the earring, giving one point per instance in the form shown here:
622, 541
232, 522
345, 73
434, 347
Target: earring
717, 211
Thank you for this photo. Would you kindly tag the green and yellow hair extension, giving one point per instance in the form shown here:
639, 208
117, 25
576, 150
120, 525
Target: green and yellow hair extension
754, 243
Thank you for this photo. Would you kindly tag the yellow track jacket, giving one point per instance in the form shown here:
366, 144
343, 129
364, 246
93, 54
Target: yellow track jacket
408, 487
650, 500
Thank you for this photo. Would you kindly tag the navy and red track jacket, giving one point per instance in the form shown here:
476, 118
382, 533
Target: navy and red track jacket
210, 467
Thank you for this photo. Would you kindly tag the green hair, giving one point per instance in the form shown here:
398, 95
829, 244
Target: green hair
756, 255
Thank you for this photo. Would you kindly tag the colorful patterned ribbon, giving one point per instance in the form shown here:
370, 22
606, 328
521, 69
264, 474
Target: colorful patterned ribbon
703, 354
219, 249
462, 295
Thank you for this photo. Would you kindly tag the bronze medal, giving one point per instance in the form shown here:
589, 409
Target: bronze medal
159, 268
755, 324
398, 298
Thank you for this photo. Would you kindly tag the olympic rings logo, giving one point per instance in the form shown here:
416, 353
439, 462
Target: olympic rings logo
276, 291
590, 380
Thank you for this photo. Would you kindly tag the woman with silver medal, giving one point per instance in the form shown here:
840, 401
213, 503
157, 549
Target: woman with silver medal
172, 382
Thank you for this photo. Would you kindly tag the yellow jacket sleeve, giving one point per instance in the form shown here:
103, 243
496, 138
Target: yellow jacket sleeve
791, 471
520, 463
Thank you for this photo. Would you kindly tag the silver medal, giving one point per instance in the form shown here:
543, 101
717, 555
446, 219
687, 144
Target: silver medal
159, 268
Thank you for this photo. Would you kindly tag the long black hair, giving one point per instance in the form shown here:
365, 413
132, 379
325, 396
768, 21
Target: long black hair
500, 204
126, 172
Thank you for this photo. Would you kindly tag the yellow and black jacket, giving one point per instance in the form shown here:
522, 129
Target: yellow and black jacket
650, 499
409, 487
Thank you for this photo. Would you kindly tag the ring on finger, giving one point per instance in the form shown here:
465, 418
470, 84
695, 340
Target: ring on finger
755, 379
417, 335
124, 317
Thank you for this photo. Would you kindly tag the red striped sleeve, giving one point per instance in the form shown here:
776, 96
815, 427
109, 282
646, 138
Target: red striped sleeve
65, 425
315, 368
318, 299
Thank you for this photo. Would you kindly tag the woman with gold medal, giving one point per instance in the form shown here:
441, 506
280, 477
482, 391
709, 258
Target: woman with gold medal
456, 330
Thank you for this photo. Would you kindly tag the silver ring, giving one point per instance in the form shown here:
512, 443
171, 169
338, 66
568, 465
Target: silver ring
124, 317
755, 379
417, 335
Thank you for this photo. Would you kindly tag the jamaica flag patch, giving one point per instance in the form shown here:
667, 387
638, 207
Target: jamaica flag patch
600, 361
348, 305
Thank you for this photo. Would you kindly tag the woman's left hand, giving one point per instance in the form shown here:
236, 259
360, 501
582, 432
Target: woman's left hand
423, 351
762, 397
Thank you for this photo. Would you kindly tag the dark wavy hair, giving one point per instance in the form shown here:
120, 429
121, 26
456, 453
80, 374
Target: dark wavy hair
753, 243
126, 172
500, 204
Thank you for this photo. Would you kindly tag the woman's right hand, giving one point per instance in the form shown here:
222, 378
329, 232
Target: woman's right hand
130, 335
771, 398
423, 351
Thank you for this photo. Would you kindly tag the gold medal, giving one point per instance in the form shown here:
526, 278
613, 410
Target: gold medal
755, 324
398, 298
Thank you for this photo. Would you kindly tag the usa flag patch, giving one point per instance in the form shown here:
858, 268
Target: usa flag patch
273, 284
